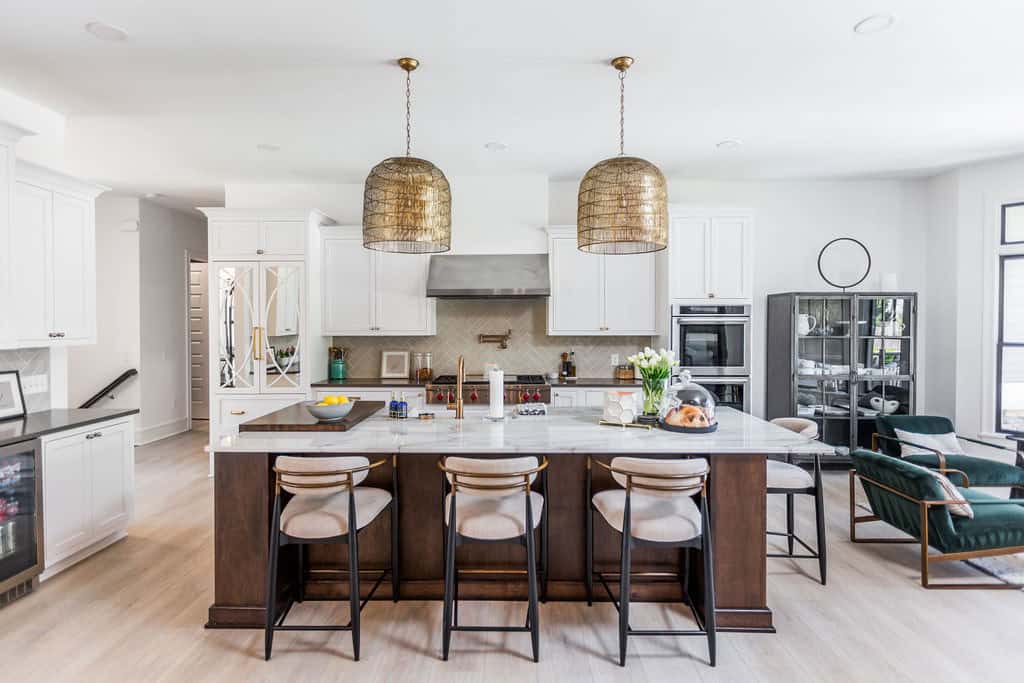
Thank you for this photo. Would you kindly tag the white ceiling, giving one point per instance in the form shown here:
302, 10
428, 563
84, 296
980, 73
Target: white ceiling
180, 107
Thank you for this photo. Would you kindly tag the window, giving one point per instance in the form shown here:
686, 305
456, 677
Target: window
1010, 336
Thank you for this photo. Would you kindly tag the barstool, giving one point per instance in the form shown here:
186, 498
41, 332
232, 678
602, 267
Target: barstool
789, 479
326, 504
654, 508
481, 505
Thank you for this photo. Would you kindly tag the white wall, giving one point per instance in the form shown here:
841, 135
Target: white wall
166, 236
940, 330
490, 214
46, 145
792, 221
118, 346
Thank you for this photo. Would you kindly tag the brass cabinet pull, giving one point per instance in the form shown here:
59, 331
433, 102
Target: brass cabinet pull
257, 343
238, 412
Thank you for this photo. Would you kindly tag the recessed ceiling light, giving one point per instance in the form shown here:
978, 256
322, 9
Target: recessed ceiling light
729, 144
111, 34
876, 23
496, 147
267, 147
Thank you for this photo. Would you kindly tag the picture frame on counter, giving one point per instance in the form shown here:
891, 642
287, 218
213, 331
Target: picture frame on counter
12, 398
394, 364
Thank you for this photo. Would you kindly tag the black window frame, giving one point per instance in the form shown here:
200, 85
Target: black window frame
1002, 225
1001, 343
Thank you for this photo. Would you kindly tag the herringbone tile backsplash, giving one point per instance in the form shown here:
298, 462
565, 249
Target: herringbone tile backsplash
530, 349
29, 362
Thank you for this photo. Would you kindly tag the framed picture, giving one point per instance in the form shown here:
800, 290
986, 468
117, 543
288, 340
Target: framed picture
12, 400
394, 364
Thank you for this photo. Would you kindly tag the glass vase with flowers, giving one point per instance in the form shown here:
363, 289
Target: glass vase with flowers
655, 370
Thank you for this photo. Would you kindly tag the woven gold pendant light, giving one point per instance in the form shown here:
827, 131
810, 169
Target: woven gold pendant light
407, 203
623, 201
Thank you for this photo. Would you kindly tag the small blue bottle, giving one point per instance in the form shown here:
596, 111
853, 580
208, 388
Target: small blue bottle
393, 406
403, 407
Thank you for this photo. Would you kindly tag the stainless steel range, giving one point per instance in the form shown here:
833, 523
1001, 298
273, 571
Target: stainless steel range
477, 391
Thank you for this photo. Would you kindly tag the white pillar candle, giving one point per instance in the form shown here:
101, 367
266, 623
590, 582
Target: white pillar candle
497, 387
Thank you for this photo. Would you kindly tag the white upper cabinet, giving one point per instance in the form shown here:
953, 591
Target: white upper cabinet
255, 235
711, 255
372, 293
53, 252
593, 294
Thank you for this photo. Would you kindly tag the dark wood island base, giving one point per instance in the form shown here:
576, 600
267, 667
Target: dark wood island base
242, 507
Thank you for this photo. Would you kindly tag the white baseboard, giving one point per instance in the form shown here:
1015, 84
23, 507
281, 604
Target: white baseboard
148, 435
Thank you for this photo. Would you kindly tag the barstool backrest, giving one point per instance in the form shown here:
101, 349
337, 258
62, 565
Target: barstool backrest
800, 425
684, 476
461, 470
304, 475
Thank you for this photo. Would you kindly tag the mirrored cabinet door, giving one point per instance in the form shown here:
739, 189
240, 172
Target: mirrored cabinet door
282, 321
238, 317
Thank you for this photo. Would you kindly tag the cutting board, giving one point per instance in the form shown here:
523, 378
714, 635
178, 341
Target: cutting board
297, 419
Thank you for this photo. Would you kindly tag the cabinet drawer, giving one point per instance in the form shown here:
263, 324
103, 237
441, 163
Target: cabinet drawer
234, 239
282, 238
234, 411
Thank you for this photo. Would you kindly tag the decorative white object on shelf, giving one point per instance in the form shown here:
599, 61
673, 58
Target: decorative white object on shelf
711, 255
884, 406
806, 323
621, 406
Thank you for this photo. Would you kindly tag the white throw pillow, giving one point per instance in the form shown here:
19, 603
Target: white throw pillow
950, 492
947, 443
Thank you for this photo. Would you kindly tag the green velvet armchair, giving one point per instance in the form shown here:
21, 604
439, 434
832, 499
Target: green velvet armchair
908, 497
966, 470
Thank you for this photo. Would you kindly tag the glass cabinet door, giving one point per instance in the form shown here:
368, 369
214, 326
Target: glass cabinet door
282, 317
885, 327
236, 332
19, 537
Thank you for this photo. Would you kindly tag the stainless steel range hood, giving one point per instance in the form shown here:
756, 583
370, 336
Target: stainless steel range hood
489, 276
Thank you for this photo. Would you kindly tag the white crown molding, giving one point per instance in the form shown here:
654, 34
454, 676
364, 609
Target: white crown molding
55, 180
11, 133
220, 213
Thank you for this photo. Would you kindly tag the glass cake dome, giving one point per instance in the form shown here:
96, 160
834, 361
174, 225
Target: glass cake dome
689, 407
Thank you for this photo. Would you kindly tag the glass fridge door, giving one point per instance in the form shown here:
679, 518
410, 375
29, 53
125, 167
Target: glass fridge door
19, 500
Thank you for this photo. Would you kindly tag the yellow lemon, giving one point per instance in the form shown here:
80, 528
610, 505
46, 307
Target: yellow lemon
342, 400
323, 403
331, 400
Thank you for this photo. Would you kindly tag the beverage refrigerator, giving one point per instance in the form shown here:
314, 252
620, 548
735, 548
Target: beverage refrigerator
21, 519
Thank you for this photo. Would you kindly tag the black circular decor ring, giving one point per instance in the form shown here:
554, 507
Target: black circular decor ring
866, 270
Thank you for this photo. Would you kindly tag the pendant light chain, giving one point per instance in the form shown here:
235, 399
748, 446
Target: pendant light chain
622, 113
408, 113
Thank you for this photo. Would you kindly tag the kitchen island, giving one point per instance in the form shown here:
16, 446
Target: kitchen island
737, 452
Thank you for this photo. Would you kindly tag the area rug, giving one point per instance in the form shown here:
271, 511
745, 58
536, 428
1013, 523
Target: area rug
1008, 568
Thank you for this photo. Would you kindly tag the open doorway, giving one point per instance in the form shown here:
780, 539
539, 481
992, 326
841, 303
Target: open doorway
198, 347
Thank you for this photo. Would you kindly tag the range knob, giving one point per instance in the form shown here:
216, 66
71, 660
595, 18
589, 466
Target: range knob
440, 396
451, 397
473, 396
536, 396
525, 396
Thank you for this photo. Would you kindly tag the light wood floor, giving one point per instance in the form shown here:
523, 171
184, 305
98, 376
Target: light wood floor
136, 611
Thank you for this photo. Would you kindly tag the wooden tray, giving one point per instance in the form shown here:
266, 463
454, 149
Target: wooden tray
296, 418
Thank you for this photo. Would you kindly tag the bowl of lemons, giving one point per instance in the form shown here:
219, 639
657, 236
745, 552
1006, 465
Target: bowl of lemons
330, 408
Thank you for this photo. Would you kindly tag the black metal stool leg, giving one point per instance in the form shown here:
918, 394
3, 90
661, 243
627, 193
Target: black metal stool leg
531, 578
449, 571
271, 594
589, 524
624, 587
353, 587
302, 573
710, 619
790, 525
819, 513
396, 583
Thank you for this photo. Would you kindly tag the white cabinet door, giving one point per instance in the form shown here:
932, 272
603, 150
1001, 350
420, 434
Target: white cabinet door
688, 258
630, 301
281, 302
348, 297
74, 263
402, 306
110, 463
564, 398
234, 239
282, 238
729, 262
66, 497
31, 265
238, 347
576, 305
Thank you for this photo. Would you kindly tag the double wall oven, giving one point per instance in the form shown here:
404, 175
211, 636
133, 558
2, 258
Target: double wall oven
713, 343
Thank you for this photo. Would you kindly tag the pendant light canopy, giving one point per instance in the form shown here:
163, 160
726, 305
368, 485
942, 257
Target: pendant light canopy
623, 201
407, 203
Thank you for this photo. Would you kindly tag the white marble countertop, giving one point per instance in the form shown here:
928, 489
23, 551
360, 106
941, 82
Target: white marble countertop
563, 430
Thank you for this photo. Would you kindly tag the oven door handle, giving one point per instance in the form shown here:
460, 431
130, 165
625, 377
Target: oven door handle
681, 320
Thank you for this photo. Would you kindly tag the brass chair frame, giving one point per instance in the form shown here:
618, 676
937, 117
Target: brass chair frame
926, 506
346, 480
452, 480
674, 482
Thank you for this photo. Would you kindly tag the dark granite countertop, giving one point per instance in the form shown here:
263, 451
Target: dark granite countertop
44, 422
364, 382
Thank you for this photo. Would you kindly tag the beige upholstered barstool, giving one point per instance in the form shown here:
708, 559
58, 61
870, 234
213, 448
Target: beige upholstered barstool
654, 506
326, 505
493, 501
789, 479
